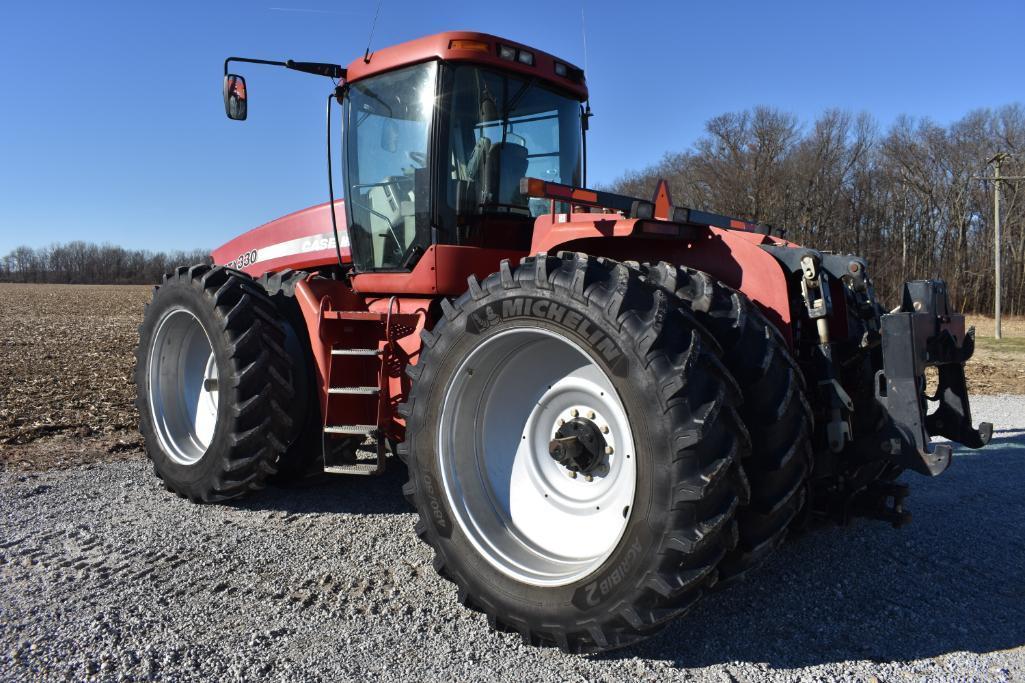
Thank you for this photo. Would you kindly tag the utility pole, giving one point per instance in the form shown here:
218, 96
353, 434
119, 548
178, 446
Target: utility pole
996, 161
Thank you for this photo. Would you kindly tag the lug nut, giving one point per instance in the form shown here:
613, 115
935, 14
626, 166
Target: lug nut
605, 429
608, 450
576, 413
590, 415
572, 474
588, 478
561, 422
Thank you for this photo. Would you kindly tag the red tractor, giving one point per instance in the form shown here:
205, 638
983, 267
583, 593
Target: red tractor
607, 405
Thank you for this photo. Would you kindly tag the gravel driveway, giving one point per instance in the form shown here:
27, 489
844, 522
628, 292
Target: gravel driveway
104, 574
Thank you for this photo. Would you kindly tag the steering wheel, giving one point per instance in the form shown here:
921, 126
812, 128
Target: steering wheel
418, 158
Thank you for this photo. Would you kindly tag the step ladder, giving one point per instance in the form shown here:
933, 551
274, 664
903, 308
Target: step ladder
370, 398
358, 362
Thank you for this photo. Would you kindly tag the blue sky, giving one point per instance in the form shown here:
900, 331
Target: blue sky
112, 128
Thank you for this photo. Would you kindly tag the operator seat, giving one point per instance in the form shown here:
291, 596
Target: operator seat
504, 165
392, 222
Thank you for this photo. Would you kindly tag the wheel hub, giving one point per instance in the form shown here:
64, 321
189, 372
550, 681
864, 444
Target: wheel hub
578, 446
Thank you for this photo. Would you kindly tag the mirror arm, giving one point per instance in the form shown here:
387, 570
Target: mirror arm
316, 68
249, 61
334, 71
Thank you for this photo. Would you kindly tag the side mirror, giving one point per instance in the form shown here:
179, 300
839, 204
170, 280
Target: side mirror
235, 97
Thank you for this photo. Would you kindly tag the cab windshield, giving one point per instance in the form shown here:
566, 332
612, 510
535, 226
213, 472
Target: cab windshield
503, 127
388, 124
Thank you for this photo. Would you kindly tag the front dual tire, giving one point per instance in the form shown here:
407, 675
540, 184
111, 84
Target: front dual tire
572, 342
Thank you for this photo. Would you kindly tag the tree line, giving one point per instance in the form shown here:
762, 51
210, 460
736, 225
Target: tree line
86, 263
912, 199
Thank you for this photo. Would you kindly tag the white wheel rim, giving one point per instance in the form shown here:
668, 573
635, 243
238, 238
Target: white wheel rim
182, 386
519, 507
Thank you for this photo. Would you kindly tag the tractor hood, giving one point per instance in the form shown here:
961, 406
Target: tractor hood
300, 240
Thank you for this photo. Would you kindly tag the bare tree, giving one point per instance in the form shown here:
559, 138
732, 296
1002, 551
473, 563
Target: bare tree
84, 263
910, 200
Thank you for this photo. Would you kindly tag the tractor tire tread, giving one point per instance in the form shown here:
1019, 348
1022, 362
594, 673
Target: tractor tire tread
705, 426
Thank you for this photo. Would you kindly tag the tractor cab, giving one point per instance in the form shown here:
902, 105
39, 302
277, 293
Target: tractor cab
437, 135
435, 153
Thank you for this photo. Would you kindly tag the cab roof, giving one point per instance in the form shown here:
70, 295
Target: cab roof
470, 46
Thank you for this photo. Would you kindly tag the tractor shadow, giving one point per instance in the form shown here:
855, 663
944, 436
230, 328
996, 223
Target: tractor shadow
333, 493
954, 580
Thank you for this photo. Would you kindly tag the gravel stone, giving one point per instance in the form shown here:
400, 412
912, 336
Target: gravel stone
107, 576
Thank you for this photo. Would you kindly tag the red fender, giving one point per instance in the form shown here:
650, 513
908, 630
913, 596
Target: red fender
731, 256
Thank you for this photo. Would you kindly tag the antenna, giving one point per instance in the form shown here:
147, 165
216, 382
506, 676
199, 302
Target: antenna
373, 27
585, 111
583, 32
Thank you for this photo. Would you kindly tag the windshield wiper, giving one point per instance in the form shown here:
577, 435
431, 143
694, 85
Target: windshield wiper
510, 105
374, 96
517, 97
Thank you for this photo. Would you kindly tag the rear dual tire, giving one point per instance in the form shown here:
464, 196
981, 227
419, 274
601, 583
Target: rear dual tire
585, 321
775, 410
213, 384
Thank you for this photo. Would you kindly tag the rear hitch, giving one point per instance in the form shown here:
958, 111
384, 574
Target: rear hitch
815, 292
924, 333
